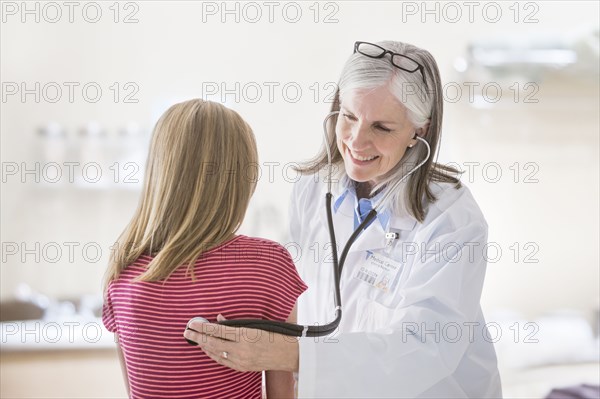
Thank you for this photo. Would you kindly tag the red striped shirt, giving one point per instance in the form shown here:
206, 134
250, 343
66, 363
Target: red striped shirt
243, 278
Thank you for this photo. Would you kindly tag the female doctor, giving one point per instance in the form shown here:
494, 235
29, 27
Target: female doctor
412, 324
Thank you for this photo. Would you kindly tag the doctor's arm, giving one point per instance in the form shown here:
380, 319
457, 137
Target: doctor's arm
408, 349
248, 349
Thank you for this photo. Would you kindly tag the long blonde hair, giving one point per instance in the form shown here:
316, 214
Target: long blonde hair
201, 172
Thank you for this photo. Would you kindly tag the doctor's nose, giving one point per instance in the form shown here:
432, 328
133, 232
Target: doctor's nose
358, 136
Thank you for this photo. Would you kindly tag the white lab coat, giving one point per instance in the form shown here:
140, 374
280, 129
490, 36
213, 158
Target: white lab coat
423, 339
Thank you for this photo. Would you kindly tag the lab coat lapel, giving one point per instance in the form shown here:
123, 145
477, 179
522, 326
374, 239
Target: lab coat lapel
373, 237
402, 222
343, 221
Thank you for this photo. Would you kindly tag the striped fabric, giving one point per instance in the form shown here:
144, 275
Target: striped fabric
243, 278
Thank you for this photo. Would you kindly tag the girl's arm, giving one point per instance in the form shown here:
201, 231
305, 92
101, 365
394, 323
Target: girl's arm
280, 384
123, 365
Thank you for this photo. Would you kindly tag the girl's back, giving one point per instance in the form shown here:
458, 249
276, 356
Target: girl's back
242, 278
179, 258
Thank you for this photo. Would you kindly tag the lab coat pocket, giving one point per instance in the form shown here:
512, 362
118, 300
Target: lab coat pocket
374, 316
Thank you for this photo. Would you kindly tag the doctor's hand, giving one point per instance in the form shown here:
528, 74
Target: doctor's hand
245, 349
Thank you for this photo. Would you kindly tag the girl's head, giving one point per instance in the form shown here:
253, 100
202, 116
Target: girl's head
200, 175
388, 92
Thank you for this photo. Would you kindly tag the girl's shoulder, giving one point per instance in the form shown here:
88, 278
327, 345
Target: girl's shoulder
260, 245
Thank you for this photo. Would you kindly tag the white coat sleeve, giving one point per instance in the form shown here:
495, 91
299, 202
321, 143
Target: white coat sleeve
418, 347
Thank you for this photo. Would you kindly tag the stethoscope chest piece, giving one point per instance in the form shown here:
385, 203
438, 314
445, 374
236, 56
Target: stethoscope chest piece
187, 327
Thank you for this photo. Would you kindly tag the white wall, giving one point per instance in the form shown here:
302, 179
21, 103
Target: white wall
171, 52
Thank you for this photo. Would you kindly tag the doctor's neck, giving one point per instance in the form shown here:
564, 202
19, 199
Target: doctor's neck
363, 189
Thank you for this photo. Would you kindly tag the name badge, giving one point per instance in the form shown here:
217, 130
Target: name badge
379, 271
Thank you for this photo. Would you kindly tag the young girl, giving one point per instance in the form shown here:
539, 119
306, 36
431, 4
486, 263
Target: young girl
179, 258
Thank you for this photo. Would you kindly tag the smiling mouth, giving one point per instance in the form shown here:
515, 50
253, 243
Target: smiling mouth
362, 159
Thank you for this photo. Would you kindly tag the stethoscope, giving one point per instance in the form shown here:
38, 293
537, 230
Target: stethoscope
297, 330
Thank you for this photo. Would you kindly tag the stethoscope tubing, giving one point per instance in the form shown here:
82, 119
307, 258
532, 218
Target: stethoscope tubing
297, 330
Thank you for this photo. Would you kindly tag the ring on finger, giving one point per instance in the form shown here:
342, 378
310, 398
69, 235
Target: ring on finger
225, 355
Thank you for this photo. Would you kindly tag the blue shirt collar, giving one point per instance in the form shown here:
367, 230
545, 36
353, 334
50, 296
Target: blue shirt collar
383, 217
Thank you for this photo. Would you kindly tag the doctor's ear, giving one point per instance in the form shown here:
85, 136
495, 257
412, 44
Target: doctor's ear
418, 133
422, 131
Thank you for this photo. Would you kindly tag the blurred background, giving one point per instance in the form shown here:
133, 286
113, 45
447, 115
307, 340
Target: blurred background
84, 83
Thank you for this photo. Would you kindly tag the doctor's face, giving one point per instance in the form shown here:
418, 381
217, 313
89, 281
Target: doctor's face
372, 132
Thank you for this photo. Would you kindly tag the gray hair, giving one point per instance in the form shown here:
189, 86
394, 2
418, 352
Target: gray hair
422, 97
